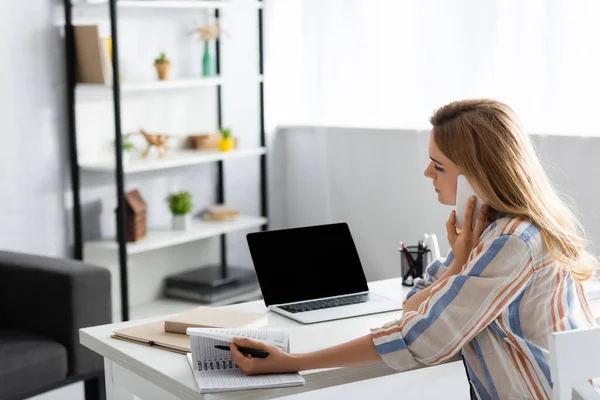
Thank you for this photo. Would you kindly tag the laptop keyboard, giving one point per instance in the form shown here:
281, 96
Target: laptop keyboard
325, 303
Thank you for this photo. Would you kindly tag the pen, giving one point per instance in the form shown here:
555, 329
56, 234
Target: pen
246, 350
407, 255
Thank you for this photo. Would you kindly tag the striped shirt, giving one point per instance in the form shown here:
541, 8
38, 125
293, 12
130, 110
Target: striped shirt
498, 312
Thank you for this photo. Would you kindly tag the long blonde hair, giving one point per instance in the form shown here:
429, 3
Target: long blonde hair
486, 142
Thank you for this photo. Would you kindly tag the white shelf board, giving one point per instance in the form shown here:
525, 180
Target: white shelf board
161, 238
173, 159
167, 4
172, 84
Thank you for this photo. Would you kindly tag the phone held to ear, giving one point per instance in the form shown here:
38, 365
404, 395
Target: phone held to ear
464, 192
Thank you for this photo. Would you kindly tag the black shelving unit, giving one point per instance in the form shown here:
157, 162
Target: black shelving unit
223, 270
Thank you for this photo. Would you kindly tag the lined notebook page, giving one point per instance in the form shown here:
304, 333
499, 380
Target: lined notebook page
212, 381
277, 337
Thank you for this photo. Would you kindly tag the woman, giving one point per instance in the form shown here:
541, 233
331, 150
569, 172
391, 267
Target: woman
506, 284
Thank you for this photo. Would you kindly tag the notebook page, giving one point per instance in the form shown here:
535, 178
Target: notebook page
234, 379
276, 337
206, 356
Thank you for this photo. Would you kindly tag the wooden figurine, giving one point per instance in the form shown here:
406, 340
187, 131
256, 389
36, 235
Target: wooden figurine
160, 141
135, 219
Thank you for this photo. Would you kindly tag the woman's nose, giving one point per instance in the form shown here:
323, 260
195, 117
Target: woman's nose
427, 172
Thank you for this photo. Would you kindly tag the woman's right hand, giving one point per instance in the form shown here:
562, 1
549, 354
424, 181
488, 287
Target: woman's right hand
277, 361
462, 242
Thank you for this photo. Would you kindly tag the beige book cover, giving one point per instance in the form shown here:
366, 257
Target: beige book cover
154, 335
91, 54
214, 317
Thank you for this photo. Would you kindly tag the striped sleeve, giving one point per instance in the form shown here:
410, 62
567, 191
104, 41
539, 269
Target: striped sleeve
459, 307
432, 273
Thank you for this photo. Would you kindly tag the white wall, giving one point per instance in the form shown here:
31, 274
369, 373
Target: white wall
389, 64
33, 163
373, 179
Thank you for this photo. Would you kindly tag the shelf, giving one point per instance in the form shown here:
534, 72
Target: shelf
153, 85
161, 238
175, 4
173, 159
150, 86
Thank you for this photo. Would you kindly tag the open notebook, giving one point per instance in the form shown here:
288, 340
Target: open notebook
214, 369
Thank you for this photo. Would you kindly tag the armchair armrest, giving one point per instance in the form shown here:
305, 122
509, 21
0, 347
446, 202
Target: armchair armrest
55, 298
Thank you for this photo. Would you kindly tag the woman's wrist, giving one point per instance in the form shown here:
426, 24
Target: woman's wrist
298, 362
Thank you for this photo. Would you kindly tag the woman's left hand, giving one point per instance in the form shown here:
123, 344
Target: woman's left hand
463, 242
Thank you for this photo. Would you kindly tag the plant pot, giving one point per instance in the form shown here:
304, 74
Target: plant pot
163, 69
126, 157
226, 144
181, 222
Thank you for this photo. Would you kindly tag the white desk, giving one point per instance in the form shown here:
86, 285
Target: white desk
150, 373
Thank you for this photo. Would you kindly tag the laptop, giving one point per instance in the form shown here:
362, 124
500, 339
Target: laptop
313, 274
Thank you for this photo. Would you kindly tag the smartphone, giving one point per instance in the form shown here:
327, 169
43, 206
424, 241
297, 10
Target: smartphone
464, 192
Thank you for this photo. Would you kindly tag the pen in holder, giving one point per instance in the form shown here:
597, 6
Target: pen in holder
413, 260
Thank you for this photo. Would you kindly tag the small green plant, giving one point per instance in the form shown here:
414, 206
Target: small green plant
180, 203
162, 59
226, 133
127, 146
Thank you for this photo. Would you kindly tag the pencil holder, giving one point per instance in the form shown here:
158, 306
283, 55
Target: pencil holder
413, 264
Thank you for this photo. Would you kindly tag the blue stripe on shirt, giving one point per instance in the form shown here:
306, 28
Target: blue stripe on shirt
529, 233
449, 259
459, 281
485, 369
514, 319
390, 347
479, 388
432, 270
570, 302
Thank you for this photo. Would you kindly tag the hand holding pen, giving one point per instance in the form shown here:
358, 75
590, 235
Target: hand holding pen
278, 361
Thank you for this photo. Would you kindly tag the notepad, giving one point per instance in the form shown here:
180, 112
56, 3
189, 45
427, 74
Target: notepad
214, 369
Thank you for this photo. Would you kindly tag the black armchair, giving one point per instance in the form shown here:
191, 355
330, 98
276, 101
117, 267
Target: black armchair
43, 304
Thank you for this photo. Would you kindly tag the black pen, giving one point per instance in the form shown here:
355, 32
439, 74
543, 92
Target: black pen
246, 350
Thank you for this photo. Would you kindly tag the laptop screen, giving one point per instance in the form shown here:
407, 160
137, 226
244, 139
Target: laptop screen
306, 263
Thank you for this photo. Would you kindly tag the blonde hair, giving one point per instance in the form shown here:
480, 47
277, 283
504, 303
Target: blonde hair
486, 142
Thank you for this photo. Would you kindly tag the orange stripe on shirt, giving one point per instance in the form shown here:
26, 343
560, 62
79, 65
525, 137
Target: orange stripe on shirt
547, 264
434, 291
510, 220
531, 377
561, 310
515, 226
517, 349
584, 304
519, 369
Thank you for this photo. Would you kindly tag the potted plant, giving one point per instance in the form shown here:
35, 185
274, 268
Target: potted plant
226, 143
127, 148
180, 205
163, 67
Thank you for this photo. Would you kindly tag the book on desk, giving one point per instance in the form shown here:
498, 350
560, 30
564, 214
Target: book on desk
170, 334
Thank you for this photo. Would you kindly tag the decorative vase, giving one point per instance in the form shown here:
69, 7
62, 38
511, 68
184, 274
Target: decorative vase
207, 64
163, 69
181, 222
226, 144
